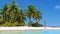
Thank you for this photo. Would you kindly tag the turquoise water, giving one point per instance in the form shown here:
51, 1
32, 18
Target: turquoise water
32, 32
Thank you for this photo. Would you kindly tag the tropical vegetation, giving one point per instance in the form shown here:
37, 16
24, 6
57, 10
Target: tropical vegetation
11, 15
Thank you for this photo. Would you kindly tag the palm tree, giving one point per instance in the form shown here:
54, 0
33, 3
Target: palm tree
18, 14
37, 16
30, 12
13, 12
5, 12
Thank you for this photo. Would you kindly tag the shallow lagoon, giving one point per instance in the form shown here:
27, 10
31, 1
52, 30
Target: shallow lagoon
31, 32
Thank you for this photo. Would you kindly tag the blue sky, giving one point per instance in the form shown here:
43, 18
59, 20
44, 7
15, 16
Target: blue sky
50, 9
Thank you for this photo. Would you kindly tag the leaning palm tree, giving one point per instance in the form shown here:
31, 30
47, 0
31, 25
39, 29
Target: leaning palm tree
38, 17
30, 12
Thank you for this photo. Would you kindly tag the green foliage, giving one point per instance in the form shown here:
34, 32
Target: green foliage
13, 16
31, 8
38, 25
31, 24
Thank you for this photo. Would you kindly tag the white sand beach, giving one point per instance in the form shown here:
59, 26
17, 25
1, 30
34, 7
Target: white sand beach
28, 28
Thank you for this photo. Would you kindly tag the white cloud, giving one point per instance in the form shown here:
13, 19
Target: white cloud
57, 7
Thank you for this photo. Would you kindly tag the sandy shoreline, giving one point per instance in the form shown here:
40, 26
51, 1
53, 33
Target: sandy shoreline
28, 28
